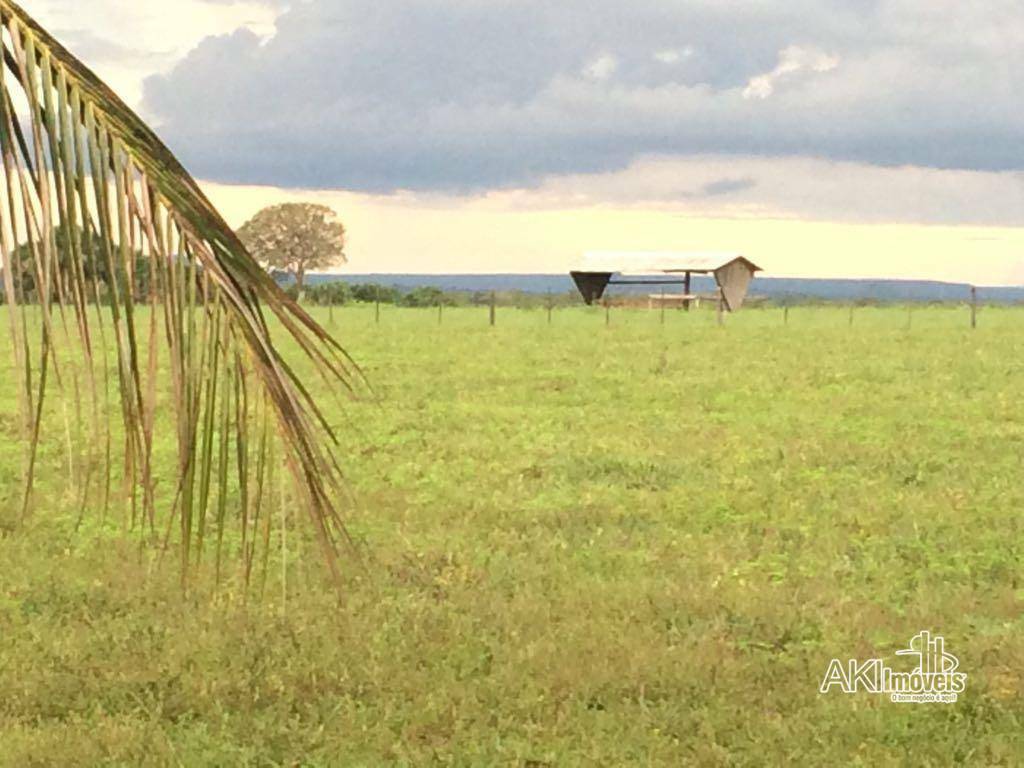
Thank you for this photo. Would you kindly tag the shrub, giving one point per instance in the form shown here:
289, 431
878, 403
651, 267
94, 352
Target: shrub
371, 292
329, 294
424, 296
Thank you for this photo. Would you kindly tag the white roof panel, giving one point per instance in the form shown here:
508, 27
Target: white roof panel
655, 262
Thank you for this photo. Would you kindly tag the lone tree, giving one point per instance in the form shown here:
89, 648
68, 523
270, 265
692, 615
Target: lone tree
295, 237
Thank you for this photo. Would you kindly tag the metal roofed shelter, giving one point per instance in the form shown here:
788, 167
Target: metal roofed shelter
732, 271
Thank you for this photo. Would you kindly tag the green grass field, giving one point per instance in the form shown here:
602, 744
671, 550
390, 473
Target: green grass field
638, 544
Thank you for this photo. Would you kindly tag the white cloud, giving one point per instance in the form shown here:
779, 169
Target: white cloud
602, 67
673, 55
792, 60
127, 42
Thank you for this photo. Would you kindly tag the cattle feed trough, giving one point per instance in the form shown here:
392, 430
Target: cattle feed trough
733, 274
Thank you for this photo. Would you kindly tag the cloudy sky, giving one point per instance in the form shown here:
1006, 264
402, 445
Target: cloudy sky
853, 138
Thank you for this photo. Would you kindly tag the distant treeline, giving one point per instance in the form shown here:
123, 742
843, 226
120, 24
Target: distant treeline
508, 290
92, 268
339, 293
777, 290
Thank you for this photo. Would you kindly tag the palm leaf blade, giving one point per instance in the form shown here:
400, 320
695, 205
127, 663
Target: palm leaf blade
99, 201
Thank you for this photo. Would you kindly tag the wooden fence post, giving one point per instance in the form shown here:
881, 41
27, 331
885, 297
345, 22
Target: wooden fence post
785, 314
851, 315
494, 310
974, 307
549, 307
607, 313
663, 306
377, 291
440, 311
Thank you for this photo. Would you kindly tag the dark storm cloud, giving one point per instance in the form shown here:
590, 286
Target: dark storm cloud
727, 187
473, 94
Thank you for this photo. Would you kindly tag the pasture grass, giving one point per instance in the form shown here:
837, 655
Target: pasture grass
633, 544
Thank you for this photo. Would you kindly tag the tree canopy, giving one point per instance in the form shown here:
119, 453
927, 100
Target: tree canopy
296, 237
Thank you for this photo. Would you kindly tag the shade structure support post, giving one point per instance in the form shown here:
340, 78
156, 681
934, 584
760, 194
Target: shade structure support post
686, 290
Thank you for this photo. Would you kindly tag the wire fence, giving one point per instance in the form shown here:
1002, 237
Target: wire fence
662, 305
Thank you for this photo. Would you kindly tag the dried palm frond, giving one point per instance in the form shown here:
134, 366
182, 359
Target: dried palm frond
108, 242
